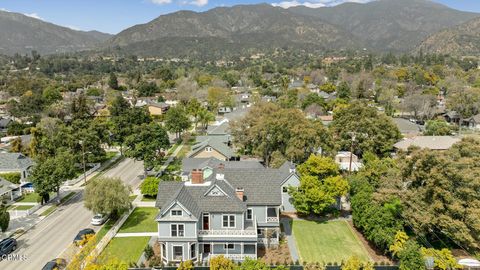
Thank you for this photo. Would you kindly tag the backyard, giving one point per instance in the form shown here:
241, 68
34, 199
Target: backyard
329, 241
142, 219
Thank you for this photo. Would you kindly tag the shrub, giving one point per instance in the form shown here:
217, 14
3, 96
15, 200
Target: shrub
11, 177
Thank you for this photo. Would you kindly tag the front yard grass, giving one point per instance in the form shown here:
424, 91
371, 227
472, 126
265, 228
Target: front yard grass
142, 219
23, 207
126, 249
324, 242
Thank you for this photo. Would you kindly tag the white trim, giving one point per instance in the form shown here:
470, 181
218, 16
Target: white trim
164, 249
212, 187
209, 219
190, 250
177, 224
173, 253
234, 221
173, 204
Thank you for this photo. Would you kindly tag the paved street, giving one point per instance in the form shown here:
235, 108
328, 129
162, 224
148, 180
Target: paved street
54, 234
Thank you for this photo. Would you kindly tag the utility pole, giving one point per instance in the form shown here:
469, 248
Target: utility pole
351, 152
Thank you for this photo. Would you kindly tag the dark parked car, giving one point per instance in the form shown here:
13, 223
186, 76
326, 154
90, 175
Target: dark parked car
7, 246
55, 264
82, 234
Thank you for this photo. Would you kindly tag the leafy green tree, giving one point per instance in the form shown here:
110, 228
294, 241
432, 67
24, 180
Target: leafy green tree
81, 108
50, 173
344, 91
410, 257
193, 108
113, 81
176, 120
4, 218
440, 196
51, 94
437, 128
466, 102
147, 143
205, 117
107, 196
320, 186
149, 186
147, 89
312, 98
268, 128
328, 87
373, 132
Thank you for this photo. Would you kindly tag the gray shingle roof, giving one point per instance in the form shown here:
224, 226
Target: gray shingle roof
4, 122
14, 162
215, 143
188, 164
6, 186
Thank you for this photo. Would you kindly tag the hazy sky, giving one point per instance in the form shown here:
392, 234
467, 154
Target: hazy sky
112, 16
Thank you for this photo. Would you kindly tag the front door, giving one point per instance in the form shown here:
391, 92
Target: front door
206, 221
206, 248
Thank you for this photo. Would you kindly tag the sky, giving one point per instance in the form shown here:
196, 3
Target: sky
112, 16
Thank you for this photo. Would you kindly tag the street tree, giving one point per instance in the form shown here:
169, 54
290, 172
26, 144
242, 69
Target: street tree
147, 143
4, 218
107, 196
177, 121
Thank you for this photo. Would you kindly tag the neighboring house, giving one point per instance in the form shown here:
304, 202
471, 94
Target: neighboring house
208, 164
213, 146
427, 142
408, 128
157, 108
16, 163
472, 122
343, 160
229, 212
9, 191
452, 117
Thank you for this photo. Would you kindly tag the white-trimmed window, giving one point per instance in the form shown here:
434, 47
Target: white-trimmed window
249, 214
208, 149
177, 230
229, 246
228, 221
193, 251
176, 213
178, 253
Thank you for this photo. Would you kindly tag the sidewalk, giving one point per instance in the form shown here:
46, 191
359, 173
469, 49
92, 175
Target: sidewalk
139, 234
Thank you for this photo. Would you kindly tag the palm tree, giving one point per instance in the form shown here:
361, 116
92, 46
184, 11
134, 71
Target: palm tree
205, 117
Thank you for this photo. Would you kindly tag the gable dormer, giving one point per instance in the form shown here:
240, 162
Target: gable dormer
215, 191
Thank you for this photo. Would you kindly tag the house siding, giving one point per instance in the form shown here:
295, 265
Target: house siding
292, 181
213, 153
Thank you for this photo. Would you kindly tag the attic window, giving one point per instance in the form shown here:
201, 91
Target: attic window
216, 192
176, 213
208, 149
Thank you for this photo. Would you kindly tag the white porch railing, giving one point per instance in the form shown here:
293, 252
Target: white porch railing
235, 257
226, 232
273, 241
272, 219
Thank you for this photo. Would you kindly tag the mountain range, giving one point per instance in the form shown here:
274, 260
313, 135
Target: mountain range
22, 34
379, 26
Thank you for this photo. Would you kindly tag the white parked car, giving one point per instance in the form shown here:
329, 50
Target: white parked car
99, 219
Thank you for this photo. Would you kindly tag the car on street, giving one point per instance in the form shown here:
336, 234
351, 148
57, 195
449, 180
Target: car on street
7, 246
98, 219
81, 235
55, 264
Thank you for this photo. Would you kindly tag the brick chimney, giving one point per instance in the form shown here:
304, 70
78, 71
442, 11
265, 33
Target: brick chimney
240, 193
197, 176
220, 172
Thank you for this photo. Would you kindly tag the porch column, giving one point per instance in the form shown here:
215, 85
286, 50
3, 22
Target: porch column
11, 195
241, 250
226, 248
212, 248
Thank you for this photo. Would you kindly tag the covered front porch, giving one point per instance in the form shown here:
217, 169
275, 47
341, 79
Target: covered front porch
236, 251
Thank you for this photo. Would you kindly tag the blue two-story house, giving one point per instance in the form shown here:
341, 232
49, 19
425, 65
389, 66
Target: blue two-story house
222, 211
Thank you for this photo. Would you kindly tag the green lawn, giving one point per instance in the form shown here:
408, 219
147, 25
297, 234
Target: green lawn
148, 199
325, 242
30, 197
127, 249
142, 219
49, 210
